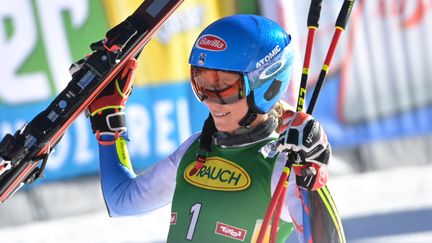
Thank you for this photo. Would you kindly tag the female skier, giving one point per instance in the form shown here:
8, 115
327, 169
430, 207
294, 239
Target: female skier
220, 180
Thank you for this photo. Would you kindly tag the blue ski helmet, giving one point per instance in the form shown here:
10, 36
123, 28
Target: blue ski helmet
252, 45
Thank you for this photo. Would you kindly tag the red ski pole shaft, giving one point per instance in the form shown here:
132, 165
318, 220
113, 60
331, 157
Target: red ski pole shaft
313, 18
272, 205
278, 212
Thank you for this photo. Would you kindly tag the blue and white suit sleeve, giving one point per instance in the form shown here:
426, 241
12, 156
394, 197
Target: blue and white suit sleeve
126, 193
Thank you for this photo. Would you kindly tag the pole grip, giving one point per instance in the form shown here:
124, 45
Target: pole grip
344, 13
314, 13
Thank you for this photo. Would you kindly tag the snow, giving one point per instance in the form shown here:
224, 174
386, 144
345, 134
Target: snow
381, 206
93, 228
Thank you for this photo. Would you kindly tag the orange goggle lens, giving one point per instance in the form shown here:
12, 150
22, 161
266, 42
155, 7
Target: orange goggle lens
218, 86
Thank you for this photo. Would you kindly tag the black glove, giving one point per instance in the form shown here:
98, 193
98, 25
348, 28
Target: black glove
305, 140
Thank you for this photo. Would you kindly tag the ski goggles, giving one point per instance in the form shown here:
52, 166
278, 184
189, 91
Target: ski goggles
217, 86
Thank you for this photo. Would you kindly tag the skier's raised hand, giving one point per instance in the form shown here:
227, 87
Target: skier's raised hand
304, 138
106, 111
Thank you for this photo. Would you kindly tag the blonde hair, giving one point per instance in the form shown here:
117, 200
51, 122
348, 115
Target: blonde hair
279, 108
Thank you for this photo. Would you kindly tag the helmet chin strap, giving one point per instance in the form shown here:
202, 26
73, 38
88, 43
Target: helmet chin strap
247, 120
252, 112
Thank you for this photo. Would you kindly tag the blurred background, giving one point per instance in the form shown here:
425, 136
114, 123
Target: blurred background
376, 107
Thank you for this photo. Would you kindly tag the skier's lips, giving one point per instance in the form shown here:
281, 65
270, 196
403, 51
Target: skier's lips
220, 114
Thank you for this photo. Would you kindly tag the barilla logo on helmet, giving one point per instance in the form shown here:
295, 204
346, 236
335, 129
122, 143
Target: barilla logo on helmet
218, 174
211, 43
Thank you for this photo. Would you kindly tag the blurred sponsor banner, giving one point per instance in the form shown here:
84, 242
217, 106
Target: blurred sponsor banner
380, 78
39, 39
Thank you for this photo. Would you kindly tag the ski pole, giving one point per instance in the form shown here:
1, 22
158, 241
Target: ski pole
339, 28
312, 22
282, 184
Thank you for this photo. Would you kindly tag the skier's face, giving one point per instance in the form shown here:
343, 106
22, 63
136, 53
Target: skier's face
223, 93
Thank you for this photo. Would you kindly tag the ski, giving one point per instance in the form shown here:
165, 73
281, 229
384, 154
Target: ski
25, 153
